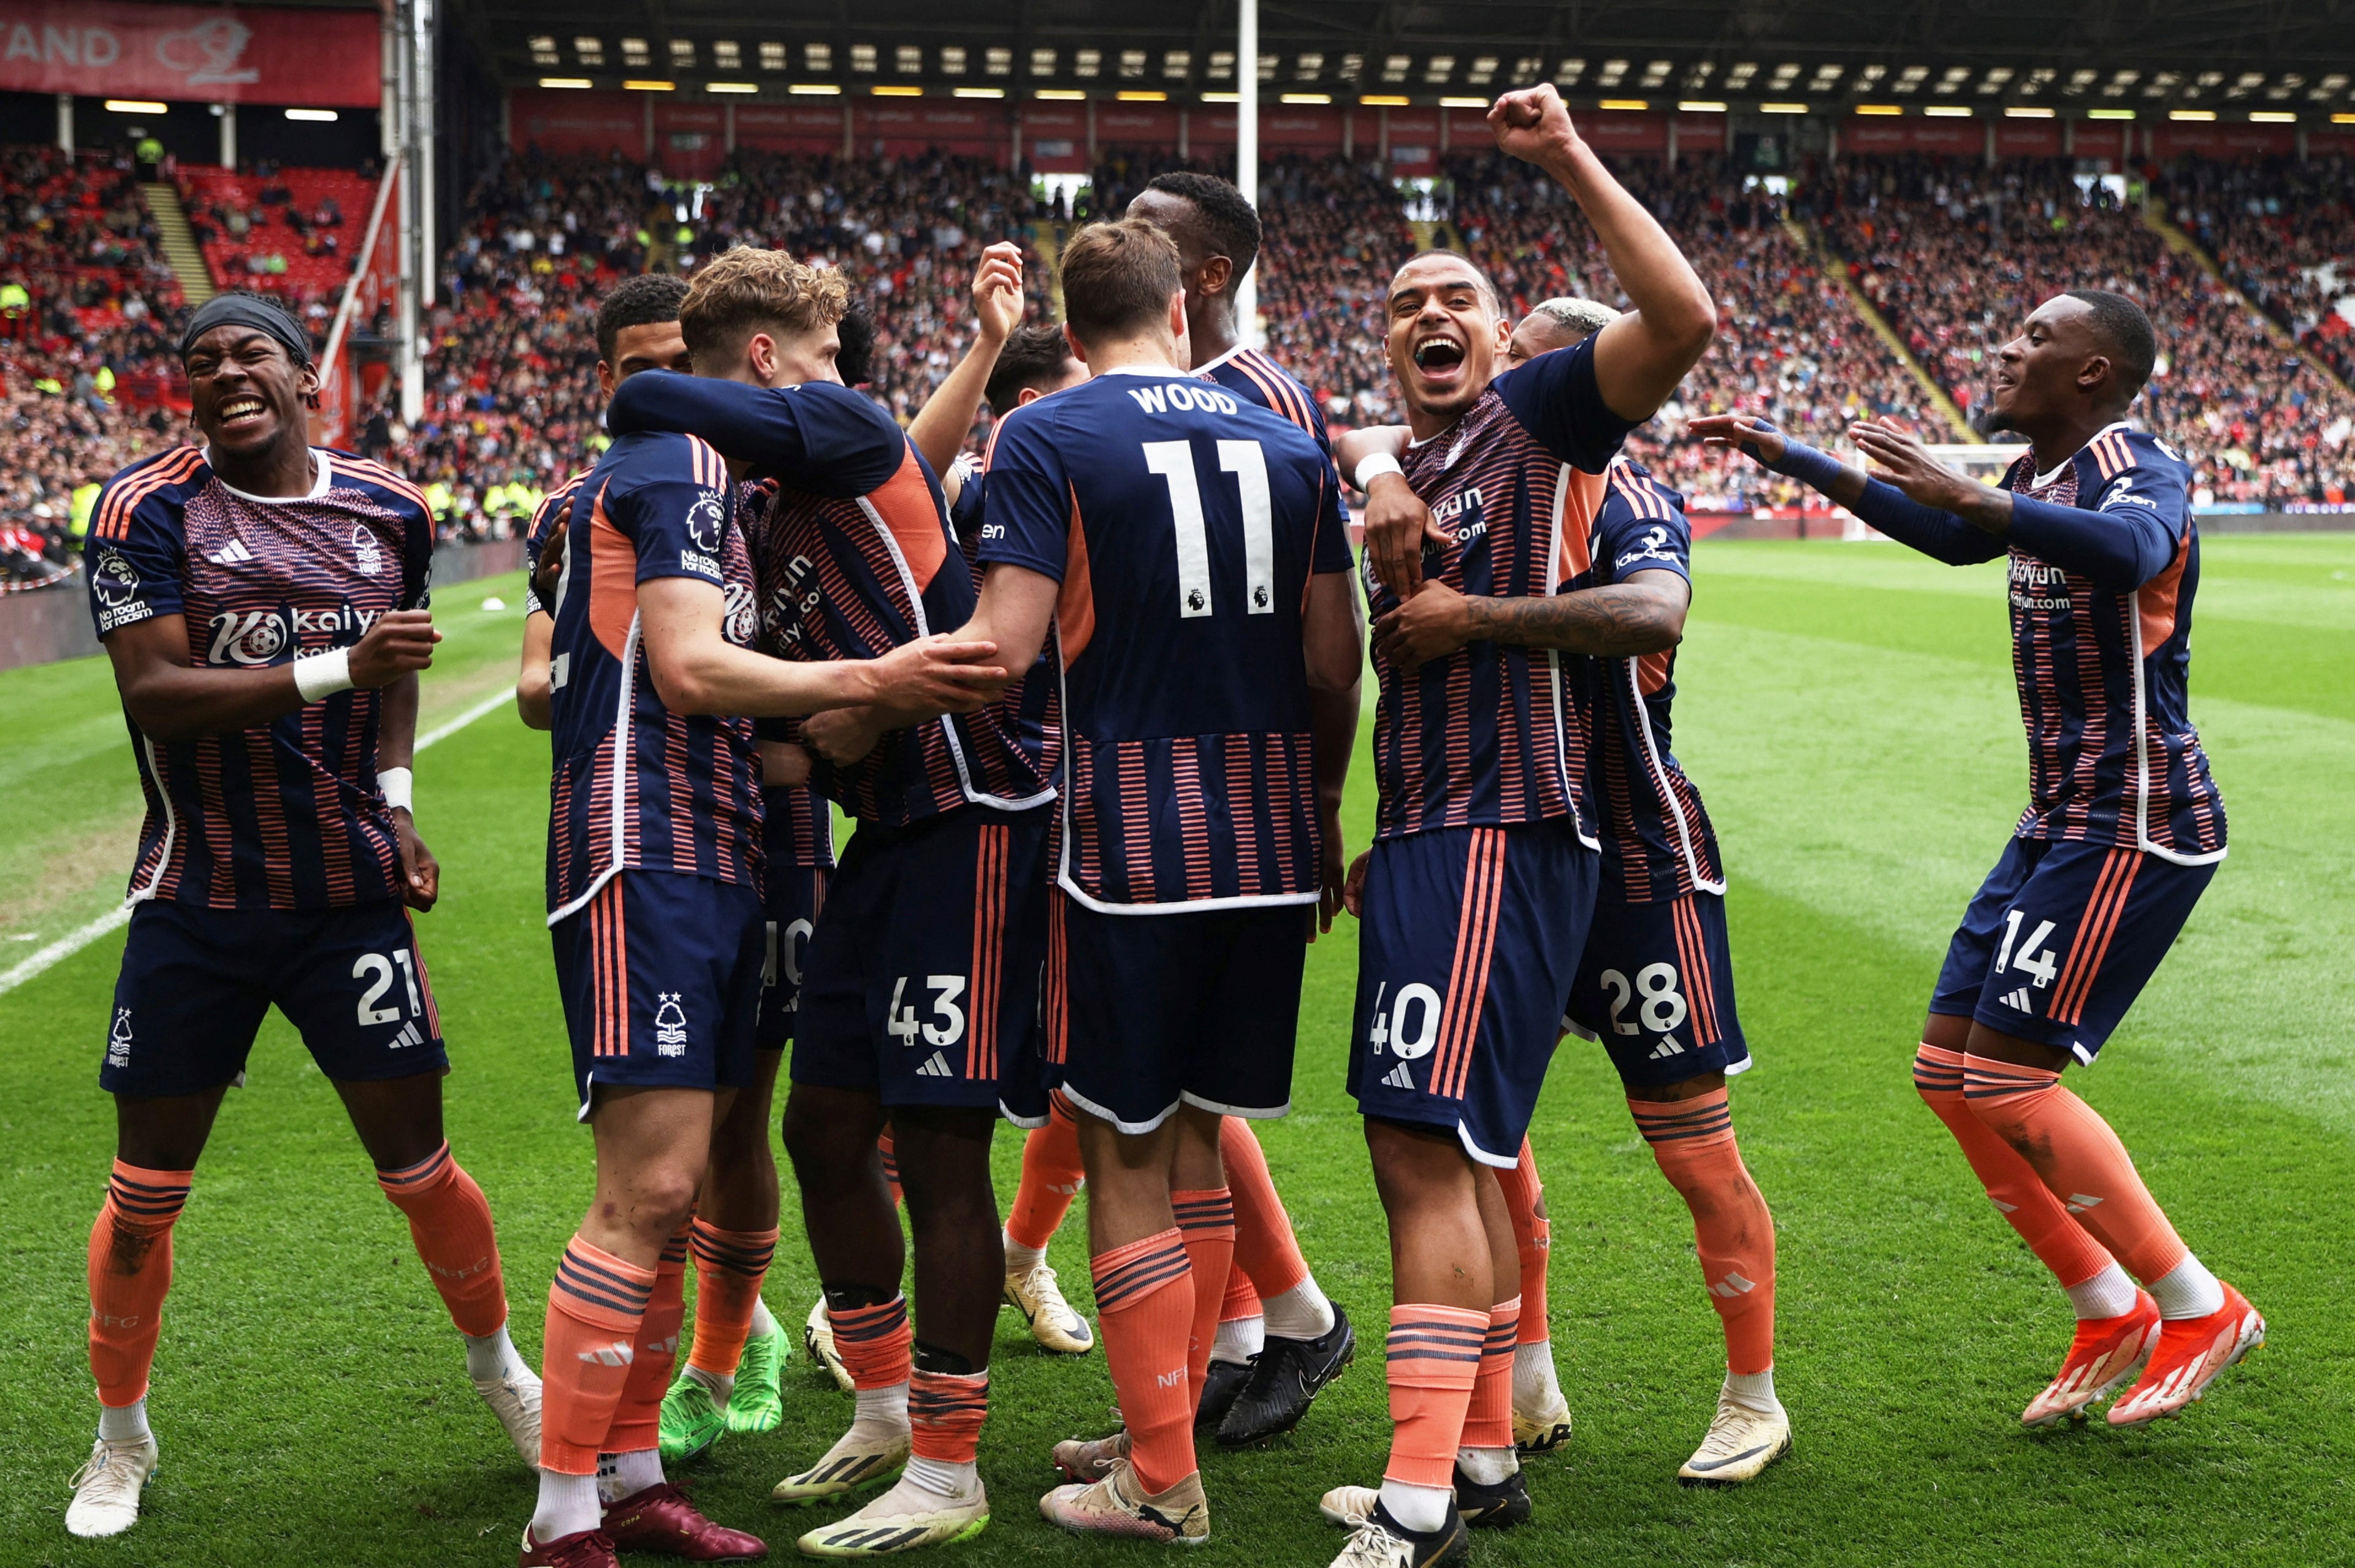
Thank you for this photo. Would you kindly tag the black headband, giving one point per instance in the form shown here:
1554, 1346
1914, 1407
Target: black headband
248, 311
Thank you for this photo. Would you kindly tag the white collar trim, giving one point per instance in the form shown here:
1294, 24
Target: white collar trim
1146, 370
2041, 480
318, 485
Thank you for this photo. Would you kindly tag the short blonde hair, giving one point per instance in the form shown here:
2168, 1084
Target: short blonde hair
747, 290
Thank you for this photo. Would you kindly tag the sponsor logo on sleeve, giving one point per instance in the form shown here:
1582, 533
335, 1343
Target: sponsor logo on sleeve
1652, 546
707, 527
116, 583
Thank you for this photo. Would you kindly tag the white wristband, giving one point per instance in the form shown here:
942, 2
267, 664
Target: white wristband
399, 786
1374, 467
318, 675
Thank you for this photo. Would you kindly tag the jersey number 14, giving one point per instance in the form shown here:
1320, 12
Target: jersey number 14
1174, 462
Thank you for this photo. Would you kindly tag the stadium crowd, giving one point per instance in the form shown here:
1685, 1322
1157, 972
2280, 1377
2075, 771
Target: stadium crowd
1955, 255
1952, 253
2283, 233
85, 303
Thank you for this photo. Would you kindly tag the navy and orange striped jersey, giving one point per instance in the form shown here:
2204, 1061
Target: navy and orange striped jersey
1249, 374
1657, 843
637, 785
1491, 735
1184, 524
800, 822
286, 815
2103, 673
556, 503
856, 558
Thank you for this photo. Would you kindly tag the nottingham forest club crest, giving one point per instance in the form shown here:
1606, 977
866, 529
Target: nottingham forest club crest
118, 1040
670, 1026
367, 559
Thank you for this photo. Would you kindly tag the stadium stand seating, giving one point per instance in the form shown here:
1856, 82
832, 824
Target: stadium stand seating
1950, 253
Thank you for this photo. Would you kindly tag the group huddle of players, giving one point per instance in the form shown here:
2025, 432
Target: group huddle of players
1092, 702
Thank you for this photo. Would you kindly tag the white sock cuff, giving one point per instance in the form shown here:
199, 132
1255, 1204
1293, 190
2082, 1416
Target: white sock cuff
123, 1423
763, 1322
1488, 1466
2109, 1294
1239, 1339
884, 1406
1422, 1508
1300, 1313
946, 1476
2187, 1290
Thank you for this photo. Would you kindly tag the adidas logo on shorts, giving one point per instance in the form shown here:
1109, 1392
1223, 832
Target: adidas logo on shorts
408, 1035
936, 1065
2019, 999
1398, 1077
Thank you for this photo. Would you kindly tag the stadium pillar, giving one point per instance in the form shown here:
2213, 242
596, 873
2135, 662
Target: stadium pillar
1382, 136
1672, 142
227, 135
1990, 145
728, 125
1247, 153
2068, 138
849, 140
65, 123
1184, 137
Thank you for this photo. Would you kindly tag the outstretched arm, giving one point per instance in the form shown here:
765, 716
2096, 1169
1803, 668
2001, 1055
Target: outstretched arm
1640, 357
1937, 533
939, 428
2119, 548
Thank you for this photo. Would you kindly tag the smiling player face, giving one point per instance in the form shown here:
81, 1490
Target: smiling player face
1444, 339
2042, 372
246, 392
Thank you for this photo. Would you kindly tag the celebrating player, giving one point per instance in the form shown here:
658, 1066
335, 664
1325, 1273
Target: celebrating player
1656, 982
731, 1381
918, 998
1175, 952
2123, 830
1476, 896
263, 603
654, 868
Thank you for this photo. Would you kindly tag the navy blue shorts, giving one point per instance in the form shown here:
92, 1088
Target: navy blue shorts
790, 898
2061, 938
661, 977
1656, 986
195, 982
922, 983
1469, 944
1202, 1006
798, 845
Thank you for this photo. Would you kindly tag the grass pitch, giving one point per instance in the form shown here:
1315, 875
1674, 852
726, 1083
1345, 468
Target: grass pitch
1846, 710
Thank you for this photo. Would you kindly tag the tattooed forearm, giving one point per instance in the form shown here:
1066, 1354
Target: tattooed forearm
1619, 621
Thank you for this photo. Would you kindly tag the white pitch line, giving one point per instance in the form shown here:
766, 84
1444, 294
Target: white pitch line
74, 941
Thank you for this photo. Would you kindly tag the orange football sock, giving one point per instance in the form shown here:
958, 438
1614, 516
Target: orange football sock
1052, 1178
654, 1351
945, 1410
2060, 1242
1242, 1301
1206, 1225
1693, 1141
1145, 1306
1533, 1238
596, 1306
130, 1270
2079, 1159
1265, 1248
1488, 1421
729, 1268
451, 1223
891, 1153
874, 1343
1434, 1356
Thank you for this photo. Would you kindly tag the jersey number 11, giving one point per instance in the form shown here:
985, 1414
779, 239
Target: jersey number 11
1174, 462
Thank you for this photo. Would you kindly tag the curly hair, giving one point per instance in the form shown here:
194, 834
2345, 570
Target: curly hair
748, 289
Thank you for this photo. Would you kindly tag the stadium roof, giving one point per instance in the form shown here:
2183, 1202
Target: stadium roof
2270, 57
